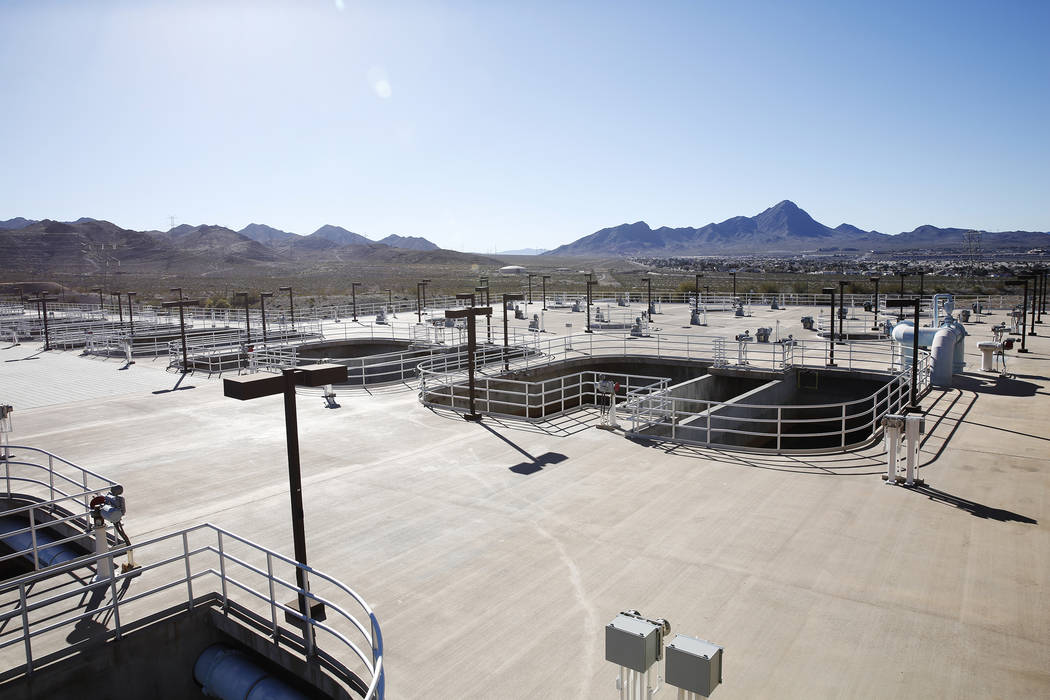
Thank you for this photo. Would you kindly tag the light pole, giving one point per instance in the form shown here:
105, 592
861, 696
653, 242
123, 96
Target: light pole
506, 341
263, 296
1024, 308
425, 283
1042, 299
922, 282
120, 307
247, 320
649, 298
482, 296
353, 296
875, 307
101, 305
487, 302
471, 314
41, 302
543, 280
590, 285
131, 317
903, 304
180, 303
291, 304
257, 386
1035, 292
531, 275
842, 307
831, 291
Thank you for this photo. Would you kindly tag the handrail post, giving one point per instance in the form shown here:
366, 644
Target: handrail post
26, 637
32, 537
843, 427
189, 576
113, 592
222, 575
273, 601
780, 430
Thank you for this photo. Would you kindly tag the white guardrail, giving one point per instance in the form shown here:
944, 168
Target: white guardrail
653, 409
246, 577
407, 307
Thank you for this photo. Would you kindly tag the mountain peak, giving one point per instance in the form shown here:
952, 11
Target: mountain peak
338, 234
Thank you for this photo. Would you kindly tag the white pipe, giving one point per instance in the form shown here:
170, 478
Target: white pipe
104, 564
911, 432
893, 436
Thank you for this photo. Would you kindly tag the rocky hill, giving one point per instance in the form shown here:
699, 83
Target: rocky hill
90, 246
783, 228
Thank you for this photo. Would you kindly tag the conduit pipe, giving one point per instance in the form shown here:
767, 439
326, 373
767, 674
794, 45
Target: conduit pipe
231, 675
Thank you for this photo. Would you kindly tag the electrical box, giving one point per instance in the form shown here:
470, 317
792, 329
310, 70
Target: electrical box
633, 643
693, 664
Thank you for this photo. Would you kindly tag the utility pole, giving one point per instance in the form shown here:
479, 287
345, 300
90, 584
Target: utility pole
180, 303
471, 314
291, 304
506, 340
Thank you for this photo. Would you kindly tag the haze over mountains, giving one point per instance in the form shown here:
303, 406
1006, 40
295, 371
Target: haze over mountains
783, 228
89, 245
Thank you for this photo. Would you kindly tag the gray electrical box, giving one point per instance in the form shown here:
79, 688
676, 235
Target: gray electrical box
693, 664
633, 643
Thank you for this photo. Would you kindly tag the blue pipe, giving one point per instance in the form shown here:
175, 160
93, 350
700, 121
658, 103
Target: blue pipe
229, 674
59, 554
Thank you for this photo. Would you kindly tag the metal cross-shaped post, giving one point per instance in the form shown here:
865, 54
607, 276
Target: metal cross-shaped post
180, 303
506, 341
471, 314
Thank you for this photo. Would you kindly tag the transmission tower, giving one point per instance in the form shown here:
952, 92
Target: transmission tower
973, 249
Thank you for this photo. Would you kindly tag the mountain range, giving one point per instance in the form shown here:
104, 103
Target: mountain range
90, 245
783, 228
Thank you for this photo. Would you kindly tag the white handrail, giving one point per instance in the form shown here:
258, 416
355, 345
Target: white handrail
172, 554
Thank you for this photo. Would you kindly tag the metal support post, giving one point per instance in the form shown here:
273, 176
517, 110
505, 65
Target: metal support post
295, 489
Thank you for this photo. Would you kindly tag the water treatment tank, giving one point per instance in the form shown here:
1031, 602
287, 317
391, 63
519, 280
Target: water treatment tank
229, 674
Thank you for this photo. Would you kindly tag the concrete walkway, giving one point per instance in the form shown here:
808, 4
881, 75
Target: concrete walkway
495, 553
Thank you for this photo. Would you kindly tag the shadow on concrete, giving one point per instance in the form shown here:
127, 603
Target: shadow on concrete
534, 464
88, 628
34, 356
998, 385
177, 386
943, 417
859, 462
978, 510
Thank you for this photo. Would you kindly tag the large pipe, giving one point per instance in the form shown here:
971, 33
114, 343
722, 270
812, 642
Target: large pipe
231, 675
943, 352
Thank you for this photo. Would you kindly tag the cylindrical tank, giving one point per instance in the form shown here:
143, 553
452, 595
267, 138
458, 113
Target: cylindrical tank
231, 675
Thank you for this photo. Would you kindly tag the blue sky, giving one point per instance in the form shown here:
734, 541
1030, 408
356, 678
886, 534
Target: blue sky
486, 125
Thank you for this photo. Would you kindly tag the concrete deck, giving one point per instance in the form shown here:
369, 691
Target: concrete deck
495, 553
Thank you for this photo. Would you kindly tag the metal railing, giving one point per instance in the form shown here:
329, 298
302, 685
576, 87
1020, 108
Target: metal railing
442, 383
781, 427
536, 400
62, 491
243, 575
